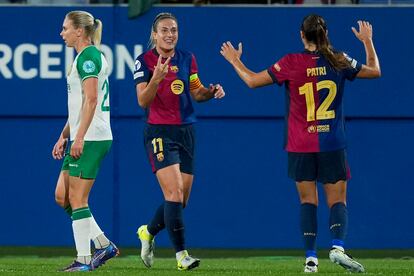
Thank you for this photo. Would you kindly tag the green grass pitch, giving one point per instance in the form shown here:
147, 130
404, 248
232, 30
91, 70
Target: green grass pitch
38, 261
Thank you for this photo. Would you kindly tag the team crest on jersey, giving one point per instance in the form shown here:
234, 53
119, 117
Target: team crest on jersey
177, 87
174, 68
160, 157
88, 66
311, 129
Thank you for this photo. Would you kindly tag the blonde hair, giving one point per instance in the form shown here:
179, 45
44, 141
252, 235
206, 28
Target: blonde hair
86, 21
157, 19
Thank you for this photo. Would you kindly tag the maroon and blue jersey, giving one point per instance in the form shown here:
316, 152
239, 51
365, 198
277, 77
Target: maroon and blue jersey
314, 94
172, 104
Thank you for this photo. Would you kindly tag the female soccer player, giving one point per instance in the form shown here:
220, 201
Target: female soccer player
315, 125
89, 130
166, 79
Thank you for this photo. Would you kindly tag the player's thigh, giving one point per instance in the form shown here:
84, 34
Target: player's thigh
88, 164
332, 166
161, 146
302, 166
335, 192
308, 192
186, 140
79, 190
171, 183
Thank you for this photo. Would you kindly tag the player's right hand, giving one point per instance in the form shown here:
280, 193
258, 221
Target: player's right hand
58, 151
161, 69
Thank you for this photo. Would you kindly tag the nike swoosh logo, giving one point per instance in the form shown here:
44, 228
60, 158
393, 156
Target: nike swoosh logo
175, 230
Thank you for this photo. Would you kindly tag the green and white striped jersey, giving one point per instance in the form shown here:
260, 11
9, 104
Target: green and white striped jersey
89, 63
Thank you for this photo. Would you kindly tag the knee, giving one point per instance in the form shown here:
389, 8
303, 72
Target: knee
60, 200
333, 199
308, 198
175, 195
309, 201
76, 200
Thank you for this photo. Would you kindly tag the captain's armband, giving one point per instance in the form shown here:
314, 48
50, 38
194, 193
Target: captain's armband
195, 82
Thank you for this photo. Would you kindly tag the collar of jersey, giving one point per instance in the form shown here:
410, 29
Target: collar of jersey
154, 50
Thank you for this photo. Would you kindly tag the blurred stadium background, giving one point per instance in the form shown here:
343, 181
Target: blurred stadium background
241, 182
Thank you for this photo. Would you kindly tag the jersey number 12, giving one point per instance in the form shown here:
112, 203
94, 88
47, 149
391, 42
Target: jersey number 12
322, 113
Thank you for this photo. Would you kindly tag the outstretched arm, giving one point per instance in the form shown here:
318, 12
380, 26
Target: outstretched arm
251, 78
372, 67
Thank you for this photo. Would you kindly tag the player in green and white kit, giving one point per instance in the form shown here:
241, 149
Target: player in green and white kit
89, 130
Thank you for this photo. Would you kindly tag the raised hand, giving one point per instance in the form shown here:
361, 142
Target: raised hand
230, 53
365, 31
161, 69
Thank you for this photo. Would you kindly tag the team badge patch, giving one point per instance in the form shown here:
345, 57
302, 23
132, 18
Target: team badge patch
312, 129
88, 66
137, 65
174, 68
160, 157
177, 87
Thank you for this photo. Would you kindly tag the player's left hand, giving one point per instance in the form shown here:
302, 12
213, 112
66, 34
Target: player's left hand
76, 149
217, 90
365, 31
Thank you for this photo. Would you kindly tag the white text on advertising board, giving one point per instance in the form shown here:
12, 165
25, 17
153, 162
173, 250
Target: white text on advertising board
50, 61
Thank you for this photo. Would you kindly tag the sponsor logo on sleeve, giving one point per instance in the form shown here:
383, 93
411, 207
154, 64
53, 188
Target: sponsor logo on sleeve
88, 66
137, 65
351, 60
138, 75
277, 67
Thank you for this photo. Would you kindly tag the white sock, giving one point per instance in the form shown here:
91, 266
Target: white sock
81, 233
84, 259
180, 254
97, 235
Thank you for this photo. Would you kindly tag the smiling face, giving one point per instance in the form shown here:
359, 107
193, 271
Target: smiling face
166, 35
69, 34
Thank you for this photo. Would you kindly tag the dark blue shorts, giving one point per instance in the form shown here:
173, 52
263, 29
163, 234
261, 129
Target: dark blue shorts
169, 144
323, 167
